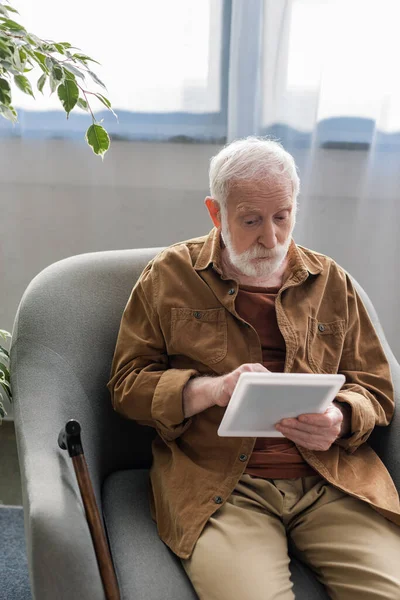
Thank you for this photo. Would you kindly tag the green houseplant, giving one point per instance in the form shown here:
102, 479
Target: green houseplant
5, 388
62, 67
66, 70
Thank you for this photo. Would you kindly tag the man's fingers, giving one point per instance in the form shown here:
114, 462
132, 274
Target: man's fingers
319, 421
253, 367
231, 379
313, 431
302, 438
296, 425
327, 419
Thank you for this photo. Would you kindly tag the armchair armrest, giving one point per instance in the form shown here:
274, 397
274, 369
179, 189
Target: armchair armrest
386, 440
60, 552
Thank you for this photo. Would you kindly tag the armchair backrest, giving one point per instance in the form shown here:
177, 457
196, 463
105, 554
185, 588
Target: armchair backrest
66, 329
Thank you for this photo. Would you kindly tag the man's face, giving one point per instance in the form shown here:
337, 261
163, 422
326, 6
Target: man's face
257, 224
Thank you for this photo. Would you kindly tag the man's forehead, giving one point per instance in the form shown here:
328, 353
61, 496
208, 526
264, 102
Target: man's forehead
247, 194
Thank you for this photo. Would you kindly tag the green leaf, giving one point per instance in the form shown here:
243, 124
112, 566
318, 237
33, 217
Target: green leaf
6, 372
68, 93
53, 84
5, 334
23, 55
96, 79
5, 48
48, 61
7, 389
4, 381
41, 61
98, 140
11, 9
9, 113
106, 103
8, 67
17, 60
5, 92
12, 25
71, 69
3, 412
34, 40
41, 81
84, 58
4, 353
4, 54
60, 48
54, 68
104, 100
23, 84
82, 104
49, 47
57, 72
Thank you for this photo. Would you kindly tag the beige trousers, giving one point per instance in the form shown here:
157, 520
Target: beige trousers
242, 553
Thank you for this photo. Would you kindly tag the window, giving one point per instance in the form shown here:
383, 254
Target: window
307, 71
164, 63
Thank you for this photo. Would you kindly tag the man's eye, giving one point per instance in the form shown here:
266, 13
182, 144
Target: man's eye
251, 222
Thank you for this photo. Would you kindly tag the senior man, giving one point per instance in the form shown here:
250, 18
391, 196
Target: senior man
247, 298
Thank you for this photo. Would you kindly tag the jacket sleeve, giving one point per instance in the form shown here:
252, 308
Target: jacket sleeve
368, 388
142, 385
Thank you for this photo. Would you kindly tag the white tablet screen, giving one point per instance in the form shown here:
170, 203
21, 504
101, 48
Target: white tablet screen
262, 399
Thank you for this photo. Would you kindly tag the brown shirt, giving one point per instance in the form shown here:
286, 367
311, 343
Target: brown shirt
276, 457
181, 321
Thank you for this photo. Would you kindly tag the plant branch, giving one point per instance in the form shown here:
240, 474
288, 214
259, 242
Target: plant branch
89, 107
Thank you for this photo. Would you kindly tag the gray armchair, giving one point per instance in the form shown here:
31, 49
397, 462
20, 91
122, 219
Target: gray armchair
63, 342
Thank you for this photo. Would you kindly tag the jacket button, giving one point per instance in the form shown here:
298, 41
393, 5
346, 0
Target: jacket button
197, 314
231, 291
321, 327
243, 457
218, 500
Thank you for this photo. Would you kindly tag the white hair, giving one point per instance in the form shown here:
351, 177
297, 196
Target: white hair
251, 158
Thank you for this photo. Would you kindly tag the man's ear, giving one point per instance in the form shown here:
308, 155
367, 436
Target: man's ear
213, 210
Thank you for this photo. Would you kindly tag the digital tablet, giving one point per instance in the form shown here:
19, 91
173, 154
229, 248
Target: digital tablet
260, 400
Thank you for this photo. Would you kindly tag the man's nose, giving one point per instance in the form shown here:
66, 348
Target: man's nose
268, 236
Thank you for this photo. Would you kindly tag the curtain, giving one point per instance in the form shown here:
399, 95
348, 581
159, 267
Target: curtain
321, 75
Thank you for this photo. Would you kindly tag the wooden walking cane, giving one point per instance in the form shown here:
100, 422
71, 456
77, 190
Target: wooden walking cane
70, 439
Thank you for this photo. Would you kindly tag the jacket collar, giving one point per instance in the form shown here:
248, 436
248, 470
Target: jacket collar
300, 259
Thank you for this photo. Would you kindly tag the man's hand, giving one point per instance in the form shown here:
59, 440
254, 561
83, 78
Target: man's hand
225, 384
318, 431
203, 392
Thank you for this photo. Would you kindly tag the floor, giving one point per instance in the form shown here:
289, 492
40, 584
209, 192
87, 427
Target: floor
10, 480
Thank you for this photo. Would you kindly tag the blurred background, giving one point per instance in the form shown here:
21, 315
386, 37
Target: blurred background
185, 77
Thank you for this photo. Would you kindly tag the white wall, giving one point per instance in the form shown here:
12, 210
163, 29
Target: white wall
58, 199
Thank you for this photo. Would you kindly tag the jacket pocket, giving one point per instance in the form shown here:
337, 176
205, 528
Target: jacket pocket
325, 344
199, 334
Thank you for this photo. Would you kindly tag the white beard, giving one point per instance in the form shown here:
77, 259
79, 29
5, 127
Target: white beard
271, 260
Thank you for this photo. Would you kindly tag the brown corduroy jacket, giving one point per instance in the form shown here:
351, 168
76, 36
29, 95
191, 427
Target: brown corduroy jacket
180, 322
